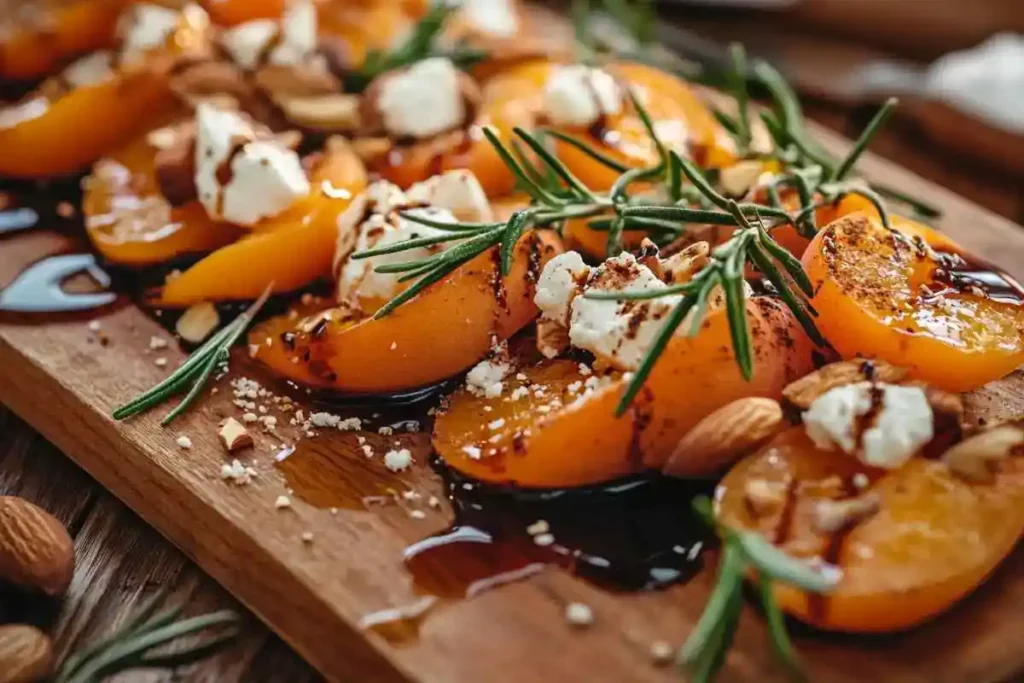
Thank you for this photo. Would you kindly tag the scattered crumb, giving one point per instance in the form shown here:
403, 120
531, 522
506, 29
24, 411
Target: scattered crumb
386, 431
399, 460
157, 343
579, 614
249, 417
661, 652
160, 362
307, 537
184, 442
418, 514
434, 502
541, 526
282, 502
94, 326
861, 481
237, 473
543, 539
394, 345
233, 436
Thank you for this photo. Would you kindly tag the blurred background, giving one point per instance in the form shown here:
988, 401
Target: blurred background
957, 66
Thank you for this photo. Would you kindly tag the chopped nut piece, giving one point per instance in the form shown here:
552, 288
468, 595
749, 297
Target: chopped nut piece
579, 614
234, 436
661, 652
833, 516
282, 502
973, 458
280, 82
552, 338
679, 268
805, 390
737, 179
326, 113
196, 323
184, 442
371, 150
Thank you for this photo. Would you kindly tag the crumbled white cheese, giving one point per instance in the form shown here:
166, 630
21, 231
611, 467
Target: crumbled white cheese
398, 460
145, 27
282, 502
238, 473
372, 221
92, 69
579, 95
295, 35
543, 539
265, 177
184, 442
560, 281
579, 614
486, 379
157, 343
541, 526
496, 18
902, 422
422, 101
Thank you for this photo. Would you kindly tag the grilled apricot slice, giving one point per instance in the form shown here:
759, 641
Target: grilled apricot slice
39, 38
515, 98
128, 220
362, 27
290, 250
934, 538
231, 12
446, 329
555, 424
917, 302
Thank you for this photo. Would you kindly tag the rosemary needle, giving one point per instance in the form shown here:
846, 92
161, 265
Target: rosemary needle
195, 372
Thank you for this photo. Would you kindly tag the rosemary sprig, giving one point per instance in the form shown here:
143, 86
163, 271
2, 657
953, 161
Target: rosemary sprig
136, 643
195, 372
744, 553
422, 42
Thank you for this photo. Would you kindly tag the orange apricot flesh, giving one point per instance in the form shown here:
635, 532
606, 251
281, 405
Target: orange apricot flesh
55, 32
878, 296
231, 12
513, 98
548, 436
933, 540
362, 27
290, 250
443, 331
130, 223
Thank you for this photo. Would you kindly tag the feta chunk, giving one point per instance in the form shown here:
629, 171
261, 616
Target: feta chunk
486, 379
145, 27
495, 18
92, 69
398, 460
423, 100
559, 283
239, 178
579, 95
295, 36
902, 422
373, 221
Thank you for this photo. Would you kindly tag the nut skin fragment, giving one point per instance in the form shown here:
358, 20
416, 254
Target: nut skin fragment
25, 654
833, 516
234, 436
802, 393
36, 551
973, 458
197, 322
728, 433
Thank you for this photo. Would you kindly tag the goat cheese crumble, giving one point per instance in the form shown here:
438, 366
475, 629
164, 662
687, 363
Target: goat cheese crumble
902, 422
579, 95
423, 100
263, 178
295, 35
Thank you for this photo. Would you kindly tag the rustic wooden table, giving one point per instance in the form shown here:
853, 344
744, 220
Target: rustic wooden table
121, 560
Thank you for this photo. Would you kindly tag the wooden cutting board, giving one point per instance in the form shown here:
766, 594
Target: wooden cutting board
317, 593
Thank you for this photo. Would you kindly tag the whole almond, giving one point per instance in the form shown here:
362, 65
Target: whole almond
25, 654
723, 436
36, 551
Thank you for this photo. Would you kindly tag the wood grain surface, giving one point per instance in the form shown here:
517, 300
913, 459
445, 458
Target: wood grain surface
58, 377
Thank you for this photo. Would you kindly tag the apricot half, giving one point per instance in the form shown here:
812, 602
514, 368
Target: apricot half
444, 330
128, 220
290, 250
917, 303
555, 424
39, 38
934, 538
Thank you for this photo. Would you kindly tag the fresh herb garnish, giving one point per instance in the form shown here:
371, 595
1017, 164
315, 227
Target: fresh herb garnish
195, 372
743, 552
422, 42
136, 644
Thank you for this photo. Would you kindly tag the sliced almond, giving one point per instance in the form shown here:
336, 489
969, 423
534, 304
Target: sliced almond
211, 78
196, 323
280, 82
552, 338
371, 150
327, 113
723, 436
234, 436
805, 390
833, 516
680, 268
736, 180
973, 458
